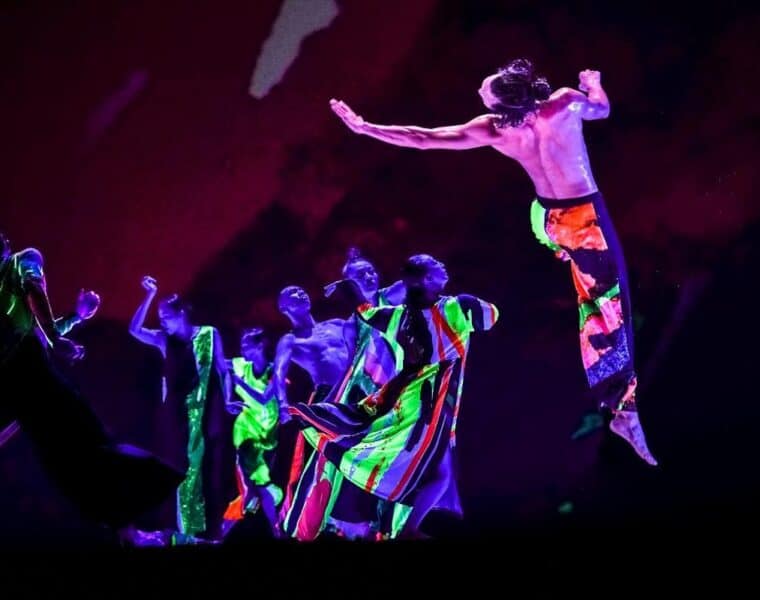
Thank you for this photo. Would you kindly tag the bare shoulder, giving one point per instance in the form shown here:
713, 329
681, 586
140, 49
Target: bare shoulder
563, 101
566, 93
565, 96
286, 341
485, 120
485, 126
334, 323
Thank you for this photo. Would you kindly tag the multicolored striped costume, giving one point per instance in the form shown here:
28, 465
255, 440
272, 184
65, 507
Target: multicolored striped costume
254, 434
321, 501
391, 442
580, 230
377, 358
313, 485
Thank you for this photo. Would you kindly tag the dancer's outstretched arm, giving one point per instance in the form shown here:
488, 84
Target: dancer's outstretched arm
480, 131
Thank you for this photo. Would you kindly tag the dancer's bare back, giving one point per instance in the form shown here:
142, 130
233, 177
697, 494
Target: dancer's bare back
549, 144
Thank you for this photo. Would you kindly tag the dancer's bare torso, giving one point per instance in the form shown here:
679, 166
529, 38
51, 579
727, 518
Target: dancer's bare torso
323, 353
549, 145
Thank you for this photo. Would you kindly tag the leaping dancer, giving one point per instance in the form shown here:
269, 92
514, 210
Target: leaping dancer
543, 131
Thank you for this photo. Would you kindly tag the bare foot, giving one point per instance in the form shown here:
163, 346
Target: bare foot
626, 424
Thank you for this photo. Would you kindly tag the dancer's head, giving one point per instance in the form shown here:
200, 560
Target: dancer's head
294, 302
424, 278
173, 314
363, 272
253, 344
514, 91
5, 247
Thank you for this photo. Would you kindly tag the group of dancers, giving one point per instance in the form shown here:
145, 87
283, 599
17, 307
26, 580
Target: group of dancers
376, 442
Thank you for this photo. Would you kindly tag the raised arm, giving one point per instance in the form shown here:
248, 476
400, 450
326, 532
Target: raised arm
87, 305
153, 337
480, 131
347, 289
595, 105
283, 354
